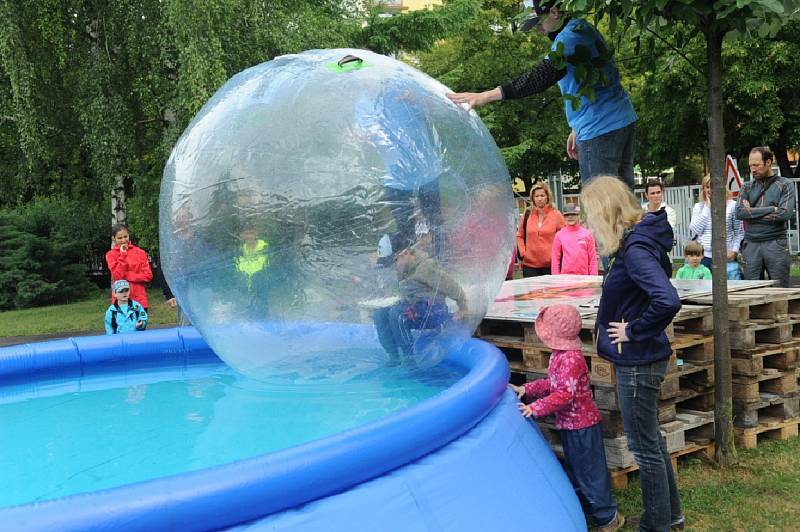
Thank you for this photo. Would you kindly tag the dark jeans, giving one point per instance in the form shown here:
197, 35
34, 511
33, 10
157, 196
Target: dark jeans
527, 271
638, 388
585, 462
395, 323
706, 262
609, 154
772, 255
402, 205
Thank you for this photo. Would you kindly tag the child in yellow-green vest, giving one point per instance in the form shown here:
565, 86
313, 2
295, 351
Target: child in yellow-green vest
252, 264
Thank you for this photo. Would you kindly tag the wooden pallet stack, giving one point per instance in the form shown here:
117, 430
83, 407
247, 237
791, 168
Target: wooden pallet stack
764, 331
687, 393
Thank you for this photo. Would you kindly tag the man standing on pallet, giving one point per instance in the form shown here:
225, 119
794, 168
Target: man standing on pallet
766, 204
603, 125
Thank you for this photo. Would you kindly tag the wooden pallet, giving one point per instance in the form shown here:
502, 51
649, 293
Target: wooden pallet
704, 451
688, 429
771, 407
696, 348
744, 336
772, 429
698, 319
753, 362
773, 381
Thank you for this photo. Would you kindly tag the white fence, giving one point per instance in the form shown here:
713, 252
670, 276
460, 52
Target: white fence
682, 199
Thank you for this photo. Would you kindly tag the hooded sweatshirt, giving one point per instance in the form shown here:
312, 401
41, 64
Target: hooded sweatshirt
574, 251
133, 266
637, 289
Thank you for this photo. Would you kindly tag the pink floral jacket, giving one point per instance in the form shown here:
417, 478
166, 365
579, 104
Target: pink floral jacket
565, 392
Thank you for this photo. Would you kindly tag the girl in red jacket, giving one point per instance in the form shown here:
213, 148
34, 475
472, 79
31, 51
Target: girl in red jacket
129, 262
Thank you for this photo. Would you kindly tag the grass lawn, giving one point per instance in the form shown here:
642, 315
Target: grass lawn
760, 493
85, 315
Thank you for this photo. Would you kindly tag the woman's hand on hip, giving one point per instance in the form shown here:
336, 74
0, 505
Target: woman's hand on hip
616, 332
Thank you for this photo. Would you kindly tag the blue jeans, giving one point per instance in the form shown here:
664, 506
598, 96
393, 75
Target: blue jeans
609, 154
395, 323
638, 388
585, 463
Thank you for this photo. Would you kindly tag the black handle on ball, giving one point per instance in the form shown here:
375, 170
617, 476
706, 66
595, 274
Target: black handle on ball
349, 59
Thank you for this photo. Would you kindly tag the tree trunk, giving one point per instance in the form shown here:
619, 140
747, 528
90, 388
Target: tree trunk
723, 415
781, 157
119, 210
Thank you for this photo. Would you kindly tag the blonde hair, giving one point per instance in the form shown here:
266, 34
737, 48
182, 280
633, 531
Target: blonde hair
542, 185
707, 181
610, 209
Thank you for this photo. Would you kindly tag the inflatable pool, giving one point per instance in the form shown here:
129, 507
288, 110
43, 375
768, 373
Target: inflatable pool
462, 459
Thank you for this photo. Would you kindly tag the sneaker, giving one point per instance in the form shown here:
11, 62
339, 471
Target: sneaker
615, 523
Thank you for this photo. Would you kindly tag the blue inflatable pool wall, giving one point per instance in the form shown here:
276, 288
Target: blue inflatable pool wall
463, 460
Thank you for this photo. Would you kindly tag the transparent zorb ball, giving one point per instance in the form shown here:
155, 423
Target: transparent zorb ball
277, 195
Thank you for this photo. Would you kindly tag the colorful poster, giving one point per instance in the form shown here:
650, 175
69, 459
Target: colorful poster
521, 300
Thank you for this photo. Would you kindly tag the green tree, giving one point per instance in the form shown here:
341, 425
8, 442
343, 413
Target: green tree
715, 20
531, 133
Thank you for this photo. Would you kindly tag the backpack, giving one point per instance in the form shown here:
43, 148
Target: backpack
116, 309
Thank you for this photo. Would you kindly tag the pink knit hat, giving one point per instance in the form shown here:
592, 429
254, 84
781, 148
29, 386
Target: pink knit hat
559, 327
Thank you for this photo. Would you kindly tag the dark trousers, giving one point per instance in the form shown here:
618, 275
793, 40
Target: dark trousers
527, 271
395, 323
638, 388
585, 462
402, 205
772, 256
609, 154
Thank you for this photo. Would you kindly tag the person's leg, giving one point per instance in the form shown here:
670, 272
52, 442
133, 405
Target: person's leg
751, 253
777, 261
399, 321
528, 271
628, 152
608, 155
383, 327
638, 389
585, 456
706, 262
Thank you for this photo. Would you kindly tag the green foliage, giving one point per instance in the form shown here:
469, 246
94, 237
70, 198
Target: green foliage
41, 255
531, 133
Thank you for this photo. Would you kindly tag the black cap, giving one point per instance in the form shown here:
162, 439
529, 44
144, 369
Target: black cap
538, 8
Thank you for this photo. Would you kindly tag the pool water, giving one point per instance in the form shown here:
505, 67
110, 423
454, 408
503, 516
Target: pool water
109, 428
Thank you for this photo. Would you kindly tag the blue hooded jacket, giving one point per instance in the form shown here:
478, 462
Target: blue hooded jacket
637, 289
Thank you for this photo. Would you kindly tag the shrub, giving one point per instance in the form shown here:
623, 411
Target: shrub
43, 247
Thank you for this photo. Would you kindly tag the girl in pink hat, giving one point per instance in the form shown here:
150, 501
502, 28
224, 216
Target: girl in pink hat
566, 393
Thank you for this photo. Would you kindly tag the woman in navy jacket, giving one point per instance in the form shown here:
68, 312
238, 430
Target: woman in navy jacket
637, 304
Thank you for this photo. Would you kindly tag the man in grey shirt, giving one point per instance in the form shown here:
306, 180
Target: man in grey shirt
766, 204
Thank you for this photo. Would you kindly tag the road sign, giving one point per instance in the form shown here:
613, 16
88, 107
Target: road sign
732, 178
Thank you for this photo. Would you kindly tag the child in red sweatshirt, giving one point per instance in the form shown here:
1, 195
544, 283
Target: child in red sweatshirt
566, 394
574, 249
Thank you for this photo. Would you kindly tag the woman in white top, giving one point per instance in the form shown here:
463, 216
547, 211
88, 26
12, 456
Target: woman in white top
700, 228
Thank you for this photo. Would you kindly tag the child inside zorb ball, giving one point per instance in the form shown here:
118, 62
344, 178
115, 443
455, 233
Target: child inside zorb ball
325, 152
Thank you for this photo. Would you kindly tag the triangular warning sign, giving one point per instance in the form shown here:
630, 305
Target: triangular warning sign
732, 178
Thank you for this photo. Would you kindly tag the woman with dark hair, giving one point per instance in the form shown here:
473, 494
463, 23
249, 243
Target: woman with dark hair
129, 262
637, 305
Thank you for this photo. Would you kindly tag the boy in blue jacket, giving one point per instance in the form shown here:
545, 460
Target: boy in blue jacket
125, 315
